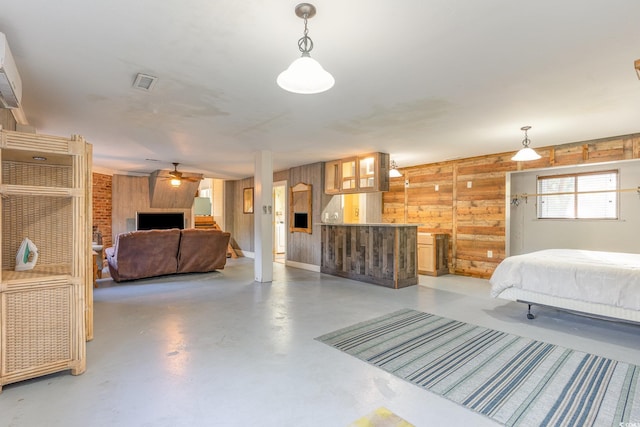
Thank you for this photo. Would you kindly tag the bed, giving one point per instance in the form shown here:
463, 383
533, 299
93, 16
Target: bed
601, 284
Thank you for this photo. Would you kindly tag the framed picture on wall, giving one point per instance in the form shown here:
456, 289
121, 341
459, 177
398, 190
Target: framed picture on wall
247, 200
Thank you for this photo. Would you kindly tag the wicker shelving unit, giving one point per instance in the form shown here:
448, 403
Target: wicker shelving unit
45, 313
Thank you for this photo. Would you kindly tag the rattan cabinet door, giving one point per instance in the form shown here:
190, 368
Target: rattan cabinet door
37, 331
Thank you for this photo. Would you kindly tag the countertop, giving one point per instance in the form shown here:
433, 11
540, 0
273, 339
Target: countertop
379, 224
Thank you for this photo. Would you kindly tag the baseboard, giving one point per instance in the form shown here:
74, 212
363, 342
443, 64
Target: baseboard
294, 264
303, 266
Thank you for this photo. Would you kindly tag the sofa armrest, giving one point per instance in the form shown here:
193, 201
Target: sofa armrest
112, 261
110, 252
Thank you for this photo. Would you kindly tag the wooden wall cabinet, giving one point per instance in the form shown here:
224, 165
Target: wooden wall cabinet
332, 176
46, 312
361, 174
433, 251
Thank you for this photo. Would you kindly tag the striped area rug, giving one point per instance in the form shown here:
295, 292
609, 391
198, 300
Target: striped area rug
515, 381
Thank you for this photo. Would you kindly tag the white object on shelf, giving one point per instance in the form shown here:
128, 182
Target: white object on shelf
27, 255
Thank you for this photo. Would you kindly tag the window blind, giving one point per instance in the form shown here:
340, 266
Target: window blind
578, 196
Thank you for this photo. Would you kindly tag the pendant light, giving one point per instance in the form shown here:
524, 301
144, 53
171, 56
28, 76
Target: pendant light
305, 75
394, 172
525, 154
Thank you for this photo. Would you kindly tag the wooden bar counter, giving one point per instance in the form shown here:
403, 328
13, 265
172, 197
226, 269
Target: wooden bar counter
382, 254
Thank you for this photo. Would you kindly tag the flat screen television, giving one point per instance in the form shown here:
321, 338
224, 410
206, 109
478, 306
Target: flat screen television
159, 220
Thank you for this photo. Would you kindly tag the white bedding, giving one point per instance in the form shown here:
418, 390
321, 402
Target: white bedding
610, 278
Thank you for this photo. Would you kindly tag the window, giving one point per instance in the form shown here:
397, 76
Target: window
590, 195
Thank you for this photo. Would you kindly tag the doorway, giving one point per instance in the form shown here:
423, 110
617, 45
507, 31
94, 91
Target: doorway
280, 221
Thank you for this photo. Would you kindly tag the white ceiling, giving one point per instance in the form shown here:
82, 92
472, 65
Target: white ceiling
424, 80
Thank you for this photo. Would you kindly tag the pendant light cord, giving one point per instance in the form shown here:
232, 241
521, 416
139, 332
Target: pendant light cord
526, 141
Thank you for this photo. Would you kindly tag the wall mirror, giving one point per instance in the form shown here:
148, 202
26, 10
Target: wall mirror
300, 208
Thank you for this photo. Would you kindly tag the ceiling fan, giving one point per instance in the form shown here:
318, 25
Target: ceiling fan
176, 177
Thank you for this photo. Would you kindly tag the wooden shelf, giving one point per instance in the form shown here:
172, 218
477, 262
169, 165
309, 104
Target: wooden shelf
46, 314
39, 273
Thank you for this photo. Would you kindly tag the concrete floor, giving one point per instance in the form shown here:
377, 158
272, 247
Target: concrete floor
218, 349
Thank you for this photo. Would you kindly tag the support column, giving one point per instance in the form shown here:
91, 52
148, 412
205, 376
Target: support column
263, 217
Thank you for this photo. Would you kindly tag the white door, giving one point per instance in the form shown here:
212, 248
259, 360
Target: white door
280, 218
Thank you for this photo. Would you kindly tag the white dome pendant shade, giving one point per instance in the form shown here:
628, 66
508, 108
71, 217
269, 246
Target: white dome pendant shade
305, 75
526, 154
394, 172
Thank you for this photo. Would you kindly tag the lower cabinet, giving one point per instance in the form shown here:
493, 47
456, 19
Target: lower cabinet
382, 254
433, 251
41, 332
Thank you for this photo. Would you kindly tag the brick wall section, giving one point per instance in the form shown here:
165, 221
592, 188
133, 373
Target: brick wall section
102, 190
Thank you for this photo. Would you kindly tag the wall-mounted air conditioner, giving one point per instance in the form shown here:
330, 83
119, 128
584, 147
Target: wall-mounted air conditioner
10, 83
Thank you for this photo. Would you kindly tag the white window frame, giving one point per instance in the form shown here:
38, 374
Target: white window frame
545, 198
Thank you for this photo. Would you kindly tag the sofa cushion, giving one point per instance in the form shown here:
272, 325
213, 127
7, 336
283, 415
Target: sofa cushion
202, 250
147, 253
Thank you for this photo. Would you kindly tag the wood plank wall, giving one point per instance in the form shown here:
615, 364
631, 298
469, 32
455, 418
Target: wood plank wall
301, 247
475, 218
239, 224
131, 195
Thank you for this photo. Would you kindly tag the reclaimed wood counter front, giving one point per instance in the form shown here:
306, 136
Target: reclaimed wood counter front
382, 254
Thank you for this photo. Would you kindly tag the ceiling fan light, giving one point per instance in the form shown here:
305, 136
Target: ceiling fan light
175, 182
305, 75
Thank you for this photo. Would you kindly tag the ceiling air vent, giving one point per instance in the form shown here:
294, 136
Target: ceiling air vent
145, 82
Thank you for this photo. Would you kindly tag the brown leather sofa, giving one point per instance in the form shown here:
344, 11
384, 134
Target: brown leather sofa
149, 253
